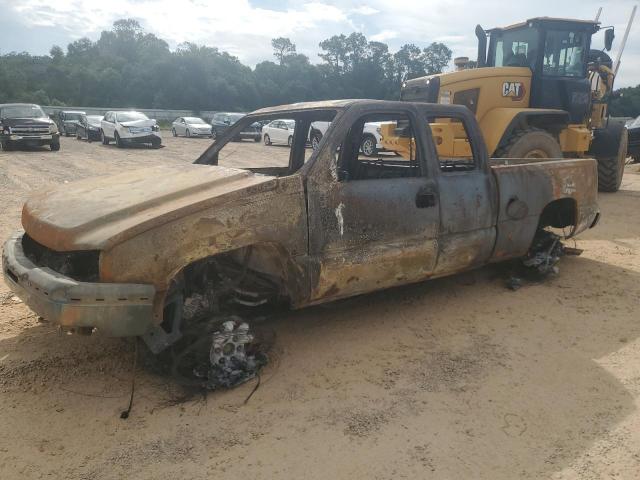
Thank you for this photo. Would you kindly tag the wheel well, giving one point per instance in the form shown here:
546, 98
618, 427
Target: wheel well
559, 213
247, 277
250, 279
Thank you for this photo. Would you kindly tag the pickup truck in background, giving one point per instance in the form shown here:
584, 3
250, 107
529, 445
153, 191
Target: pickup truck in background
26, 125
153, 252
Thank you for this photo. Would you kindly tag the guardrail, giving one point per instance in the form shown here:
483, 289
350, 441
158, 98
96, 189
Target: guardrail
154, 113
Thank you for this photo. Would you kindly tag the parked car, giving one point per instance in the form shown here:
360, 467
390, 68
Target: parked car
127, 128
88, 128
279, 131
634, 140
371, 137
26, 124
68, 121
223, 120
190, 127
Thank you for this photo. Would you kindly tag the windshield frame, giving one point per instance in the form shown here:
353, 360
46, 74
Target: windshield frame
310, 115
25, 106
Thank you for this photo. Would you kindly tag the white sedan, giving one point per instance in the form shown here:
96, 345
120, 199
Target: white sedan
279, 131
370, 144
191, 127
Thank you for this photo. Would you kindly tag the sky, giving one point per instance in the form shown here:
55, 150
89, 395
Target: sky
245, 28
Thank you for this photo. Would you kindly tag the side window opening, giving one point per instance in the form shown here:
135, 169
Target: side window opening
380, 146
453, 144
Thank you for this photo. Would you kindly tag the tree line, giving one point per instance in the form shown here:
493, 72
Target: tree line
128, 67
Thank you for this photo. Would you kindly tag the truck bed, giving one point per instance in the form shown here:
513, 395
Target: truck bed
527, 186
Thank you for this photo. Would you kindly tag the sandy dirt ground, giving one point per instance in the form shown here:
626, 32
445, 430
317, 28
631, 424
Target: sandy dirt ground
457, 378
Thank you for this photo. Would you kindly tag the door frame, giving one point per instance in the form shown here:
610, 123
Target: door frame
338, 261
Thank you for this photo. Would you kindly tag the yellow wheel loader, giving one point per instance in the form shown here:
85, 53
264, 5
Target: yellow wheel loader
539, 91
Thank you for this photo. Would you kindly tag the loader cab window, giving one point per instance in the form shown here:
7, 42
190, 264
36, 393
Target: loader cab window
514, 47
564, 53
380, 146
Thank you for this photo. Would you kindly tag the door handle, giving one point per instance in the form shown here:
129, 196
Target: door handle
425, 199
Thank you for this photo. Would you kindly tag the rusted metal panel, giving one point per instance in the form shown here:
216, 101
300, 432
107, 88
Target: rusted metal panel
535, 184
98, 213
462, 251
325, 238
114, 309
270, 212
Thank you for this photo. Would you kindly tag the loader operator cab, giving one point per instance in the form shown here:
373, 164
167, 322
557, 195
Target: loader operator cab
540, 91
557, 52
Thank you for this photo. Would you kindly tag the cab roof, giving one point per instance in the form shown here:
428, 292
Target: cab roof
319, 105
584, 23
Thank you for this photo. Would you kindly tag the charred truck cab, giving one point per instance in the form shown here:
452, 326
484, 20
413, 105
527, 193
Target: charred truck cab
540, 92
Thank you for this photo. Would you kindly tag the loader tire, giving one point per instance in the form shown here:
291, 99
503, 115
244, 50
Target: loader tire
530, 143
611, 169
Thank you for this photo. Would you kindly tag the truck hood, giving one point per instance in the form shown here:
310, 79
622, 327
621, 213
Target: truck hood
98, 213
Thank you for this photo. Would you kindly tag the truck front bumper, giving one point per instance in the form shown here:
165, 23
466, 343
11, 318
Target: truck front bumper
113, 309
31, 140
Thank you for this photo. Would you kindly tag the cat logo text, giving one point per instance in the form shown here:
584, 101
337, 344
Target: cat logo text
513, 90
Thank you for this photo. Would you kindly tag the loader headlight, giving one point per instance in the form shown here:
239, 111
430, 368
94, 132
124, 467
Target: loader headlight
445, 97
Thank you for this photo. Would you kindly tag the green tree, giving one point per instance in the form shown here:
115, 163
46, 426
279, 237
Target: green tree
408, 63
128, 67
282, 48
626, 102
335, 51
435, 58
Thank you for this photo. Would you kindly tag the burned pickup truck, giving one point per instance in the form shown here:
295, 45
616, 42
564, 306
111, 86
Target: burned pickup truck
159, 251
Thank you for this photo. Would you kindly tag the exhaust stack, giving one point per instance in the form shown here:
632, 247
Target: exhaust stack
482, 46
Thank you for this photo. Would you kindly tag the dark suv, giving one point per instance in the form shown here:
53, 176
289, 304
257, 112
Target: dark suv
26, 124
68, 121
223, 120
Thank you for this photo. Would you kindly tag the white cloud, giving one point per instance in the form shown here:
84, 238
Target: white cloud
364, 10
384, 35
244, 27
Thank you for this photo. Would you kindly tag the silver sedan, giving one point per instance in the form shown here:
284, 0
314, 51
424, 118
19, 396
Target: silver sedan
190, 127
